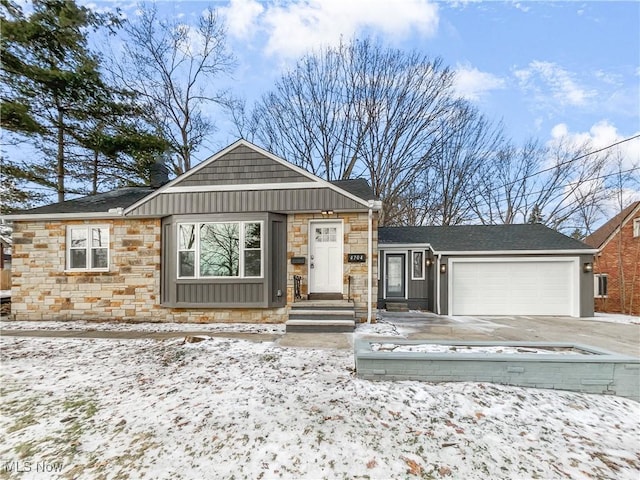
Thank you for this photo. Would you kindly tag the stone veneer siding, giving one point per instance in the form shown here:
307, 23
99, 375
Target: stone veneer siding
129, 291
355, 232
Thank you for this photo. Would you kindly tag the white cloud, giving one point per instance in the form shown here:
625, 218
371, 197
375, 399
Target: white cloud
241, 16
547, 79
293, 28
472, 84
599, 136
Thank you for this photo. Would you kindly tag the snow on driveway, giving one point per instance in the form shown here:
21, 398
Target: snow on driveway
225, 408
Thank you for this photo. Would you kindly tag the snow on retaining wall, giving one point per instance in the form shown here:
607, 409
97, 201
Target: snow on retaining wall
597, 371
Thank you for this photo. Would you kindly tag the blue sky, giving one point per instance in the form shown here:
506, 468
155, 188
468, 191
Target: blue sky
546, 69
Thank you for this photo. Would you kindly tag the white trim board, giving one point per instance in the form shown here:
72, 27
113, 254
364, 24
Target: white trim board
244, 187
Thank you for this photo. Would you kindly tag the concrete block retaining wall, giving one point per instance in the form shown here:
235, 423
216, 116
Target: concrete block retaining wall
596, 371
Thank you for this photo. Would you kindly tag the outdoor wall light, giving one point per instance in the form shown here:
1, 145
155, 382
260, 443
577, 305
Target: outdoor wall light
327, 212
443, 268
587, 267
428, 262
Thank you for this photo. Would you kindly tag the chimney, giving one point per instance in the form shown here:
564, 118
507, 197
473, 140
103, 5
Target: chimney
158, 174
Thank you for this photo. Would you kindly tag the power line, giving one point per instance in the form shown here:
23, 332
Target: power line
566, 162
600, 177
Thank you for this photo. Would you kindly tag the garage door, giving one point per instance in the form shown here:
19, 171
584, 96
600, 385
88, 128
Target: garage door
513, 287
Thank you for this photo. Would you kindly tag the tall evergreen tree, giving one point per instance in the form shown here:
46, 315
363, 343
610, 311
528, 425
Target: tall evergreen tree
54, 95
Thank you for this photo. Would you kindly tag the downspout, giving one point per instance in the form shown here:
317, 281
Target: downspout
437, 278
370, 263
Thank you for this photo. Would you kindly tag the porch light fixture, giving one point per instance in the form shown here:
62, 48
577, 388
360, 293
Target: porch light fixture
327, 212
428, 262
443, 268
587, 267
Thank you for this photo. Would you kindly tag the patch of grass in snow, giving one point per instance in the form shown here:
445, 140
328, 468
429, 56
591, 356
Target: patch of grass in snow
26, 449
22, 408
24, 421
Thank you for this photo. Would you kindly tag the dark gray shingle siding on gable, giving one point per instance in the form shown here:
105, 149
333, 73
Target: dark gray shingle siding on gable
100, 203
243, 165
469, 238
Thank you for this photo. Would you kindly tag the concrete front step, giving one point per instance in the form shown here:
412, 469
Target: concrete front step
322, 315
314, 316
322, 304
397, 307
320, 326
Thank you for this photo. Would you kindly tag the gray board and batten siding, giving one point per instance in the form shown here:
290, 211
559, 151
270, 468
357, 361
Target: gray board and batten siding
282, 201
268, 291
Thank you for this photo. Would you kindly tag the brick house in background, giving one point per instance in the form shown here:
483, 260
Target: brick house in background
617, 265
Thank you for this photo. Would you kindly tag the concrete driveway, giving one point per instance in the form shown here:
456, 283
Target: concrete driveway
615, 337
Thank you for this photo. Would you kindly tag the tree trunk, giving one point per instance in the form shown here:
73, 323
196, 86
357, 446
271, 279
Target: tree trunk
60, 157
94, 173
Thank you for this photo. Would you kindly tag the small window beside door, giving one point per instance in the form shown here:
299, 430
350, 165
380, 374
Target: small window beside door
600, 285
417, 265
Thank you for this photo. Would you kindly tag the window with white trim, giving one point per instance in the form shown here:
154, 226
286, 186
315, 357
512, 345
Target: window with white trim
417, 265
636, 227
88, 248
600, 285
220, 250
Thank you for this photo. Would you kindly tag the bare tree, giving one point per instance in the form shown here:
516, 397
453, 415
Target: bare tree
172, 66
460, 155
551, 183
357, 109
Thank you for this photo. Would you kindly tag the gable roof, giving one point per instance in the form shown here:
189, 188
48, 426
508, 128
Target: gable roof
98, 205
482, 238
601, 236
278, 175
219, 173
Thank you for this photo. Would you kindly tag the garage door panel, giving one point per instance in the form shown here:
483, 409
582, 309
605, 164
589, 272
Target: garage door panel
512, 287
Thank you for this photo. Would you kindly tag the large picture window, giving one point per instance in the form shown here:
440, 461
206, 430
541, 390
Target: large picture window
88, 248
220, 249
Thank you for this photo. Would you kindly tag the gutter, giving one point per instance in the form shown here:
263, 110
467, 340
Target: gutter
111, 214
377, 206
437, 276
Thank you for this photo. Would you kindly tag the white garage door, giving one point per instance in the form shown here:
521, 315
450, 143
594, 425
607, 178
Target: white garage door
513, 287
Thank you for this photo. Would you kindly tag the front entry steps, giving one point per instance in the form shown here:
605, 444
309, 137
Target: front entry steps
321, 316
397, 307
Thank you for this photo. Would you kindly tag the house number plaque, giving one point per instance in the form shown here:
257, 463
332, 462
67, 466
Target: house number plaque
356, 258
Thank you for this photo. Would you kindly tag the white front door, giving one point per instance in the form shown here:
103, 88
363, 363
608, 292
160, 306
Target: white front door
325, 257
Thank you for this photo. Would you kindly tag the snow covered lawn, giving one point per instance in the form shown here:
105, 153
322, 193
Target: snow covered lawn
235, 409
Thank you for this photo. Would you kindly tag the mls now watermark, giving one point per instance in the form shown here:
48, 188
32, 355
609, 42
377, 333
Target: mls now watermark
26, 466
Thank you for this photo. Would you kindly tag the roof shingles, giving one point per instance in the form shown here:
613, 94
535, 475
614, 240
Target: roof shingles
100, 203
481, 238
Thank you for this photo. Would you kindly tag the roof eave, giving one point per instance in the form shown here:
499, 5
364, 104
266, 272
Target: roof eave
623, 222
546, 251
64, 216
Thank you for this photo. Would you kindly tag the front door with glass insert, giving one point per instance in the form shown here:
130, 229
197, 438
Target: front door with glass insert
395, 275
325, 257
